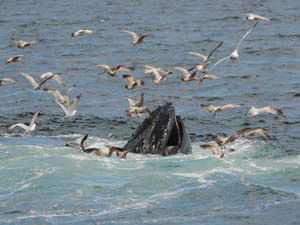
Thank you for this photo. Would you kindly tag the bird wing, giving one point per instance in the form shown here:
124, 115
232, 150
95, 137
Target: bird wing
83, 142
212, 51
203, 57
140, 100
245, 35
230, 106
33, 119
134, 36
213, 148
22, 125
75, 103
218, 62
129, 79
10, 79
58, 96
184, 71
30, 79
131, 102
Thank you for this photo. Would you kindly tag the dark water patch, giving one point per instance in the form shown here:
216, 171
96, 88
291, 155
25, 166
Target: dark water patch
257, 191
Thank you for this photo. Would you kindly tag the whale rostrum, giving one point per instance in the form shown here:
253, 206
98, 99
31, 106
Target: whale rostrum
164, 134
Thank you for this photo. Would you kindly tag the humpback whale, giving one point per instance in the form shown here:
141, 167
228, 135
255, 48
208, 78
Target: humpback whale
164, 134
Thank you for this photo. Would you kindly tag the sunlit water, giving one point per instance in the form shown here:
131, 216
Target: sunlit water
44, 182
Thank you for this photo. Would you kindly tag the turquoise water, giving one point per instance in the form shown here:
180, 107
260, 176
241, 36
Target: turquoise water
44, 182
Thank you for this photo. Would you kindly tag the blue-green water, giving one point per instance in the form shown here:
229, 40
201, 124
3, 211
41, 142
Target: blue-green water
44, 182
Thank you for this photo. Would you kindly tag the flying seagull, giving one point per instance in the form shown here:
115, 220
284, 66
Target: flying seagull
131, 83
17, 58
82, 32
6, 79
135, 38
28, 128
234, 54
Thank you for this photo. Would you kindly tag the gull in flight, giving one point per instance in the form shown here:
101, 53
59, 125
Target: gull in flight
71, 108
131, 83
252, 16
32, 81
138, 103
135, 38
28, 128
245, 132
112, 71
17, 58
267, 109
212, 108
207, 58
5, 79
156, 72
82, 32
187, 76
23, 44
162, 70
234, 55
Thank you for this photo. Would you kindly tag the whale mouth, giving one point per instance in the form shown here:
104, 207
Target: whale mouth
163, 134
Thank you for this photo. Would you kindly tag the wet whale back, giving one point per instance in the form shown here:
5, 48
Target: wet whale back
163, 134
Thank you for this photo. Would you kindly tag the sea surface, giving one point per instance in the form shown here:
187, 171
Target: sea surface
44, 182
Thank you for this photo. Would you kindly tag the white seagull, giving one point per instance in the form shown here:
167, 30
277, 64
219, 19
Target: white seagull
28, 128
234, 55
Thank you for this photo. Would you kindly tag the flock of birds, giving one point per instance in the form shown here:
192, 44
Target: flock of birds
136, 107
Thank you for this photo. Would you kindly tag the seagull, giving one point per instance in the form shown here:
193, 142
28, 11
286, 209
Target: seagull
82, 32
187, 76
135, 112
135, 38
5, 79
252, 16
212, 108
158, 69
69, 109
138, 103
131, 83
252, 132
35, 85
17, 58
112, 71
23, 44
54, 76
267, 109
155, 71
214, 150
234, 55
28, 128
205, 58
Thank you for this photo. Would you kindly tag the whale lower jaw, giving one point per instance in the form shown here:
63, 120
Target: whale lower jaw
163, 134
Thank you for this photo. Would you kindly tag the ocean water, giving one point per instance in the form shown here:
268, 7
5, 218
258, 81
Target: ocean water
44, 182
